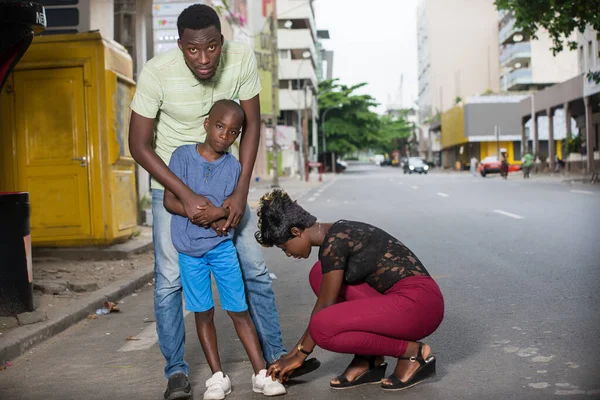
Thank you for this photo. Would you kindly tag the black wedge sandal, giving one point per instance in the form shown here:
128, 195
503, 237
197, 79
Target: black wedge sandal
371, 376
425, 371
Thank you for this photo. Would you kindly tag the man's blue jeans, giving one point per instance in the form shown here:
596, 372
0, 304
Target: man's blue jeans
167, 289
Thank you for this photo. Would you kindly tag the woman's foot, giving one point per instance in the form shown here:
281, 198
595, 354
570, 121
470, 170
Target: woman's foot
406, 368
358, 366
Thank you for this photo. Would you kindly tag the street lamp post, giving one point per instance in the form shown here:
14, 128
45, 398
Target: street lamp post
274, 89
300, 134
324, 139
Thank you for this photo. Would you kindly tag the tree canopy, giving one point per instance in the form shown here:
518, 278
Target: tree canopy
350, 124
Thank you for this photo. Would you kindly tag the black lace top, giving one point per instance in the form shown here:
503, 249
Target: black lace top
367, 254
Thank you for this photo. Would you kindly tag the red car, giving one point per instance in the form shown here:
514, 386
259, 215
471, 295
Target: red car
491, 165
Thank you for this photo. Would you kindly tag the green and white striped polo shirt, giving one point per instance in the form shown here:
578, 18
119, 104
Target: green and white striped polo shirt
168, 91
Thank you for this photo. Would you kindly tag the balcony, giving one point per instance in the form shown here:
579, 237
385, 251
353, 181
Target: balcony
502, 14
297, 10
295, 99
297, 69
296, 39
506, 32
517, 52
518, 77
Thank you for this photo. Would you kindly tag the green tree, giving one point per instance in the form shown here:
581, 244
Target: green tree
350, 125
393, 134
559, 17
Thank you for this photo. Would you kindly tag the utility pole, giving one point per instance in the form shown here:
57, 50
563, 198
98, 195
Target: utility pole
305, 133
274, 90
497, 134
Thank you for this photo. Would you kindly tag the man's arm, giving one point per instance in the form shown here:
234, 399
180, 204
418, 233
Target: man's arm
236, 203
141, 133
173, 204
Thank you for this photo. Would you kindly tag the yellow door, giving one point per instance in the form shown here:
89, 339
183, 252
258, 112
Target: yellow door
52, 151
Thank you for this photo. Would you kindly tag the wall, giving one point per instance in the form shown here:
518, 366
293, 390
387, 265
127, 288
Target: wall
587, 63
481, 118
463, 50
453, 127
547, 68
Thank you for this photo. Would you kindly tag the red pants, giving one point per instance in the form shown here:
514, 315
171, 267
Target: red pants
367, 322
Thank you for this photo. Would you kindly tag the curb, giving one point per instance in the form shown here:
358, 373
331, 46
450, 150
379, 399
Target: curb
92, 253
125, 250
18, 341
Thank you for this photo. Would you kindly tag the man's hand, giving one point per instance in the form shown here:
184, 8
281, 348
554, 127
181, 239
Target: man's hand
208, 214
192, 204
236, 204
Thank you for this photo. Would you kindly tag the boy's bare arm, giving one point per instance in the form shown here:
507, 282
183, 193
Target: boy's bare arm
173, 204
210, 214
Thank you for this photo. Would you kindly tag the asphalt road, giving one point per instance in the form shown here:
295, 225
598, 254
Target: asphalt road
518, 263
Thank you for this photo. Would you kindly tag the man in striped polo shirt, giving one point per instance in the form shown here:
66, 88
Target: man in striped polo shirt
175, 92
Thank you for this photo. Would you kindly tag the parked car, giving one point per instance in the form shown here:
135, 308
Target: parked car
491, 165
378, 159
416, 165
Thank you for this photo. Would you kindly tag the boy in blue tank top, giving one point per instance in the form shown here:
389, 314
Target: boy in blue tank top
205, 249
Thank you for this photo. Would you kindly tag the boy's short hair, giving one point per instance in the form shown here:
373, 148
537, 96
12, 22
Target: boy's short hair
230, 105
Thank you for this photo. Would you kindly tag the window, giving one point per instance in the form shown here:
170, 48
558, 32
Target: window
284, 54
590, 60
284, 84
581, 60
298, 84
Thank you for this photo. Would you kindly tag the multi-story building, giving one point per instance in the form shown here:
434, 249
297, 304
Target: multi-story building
457, 52
325, 57
298, 60
578, 99
527, 63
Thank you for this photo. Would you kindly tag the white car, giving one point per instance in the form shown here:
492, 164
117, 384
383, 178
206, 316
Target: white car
378, 159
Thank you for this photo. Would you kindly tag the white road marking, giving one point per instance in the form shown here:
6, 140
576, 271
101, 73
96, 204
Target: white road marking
506, 213
399, 183
443, 194
317, 194
311, 199
146, 339
582, 191
415, 187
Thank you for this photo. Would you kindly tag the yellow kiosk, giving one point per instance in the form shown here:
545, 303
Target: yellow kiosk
64, 120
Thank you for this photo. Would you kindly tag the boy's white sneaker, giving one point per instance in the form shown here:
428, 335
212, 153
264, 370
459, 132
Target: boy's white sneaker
217, 387
261, 383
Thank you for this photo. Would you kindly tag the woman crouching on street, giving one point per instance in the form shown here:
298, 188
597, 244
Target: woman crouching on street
375, 298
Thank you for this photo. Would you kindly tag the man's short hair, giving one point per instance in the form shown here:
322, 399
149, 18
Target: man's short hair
196, 17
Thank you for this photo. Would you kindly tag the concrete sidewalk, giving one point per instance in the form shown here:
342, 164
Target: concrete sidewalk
106, 274
295, 187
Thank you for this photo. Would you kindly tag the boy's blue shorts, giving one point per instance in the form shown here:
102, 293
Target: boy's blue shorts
223, 262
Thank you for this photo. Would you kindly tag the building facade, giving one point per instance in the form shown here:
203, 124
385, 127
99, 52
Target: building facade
457, 52
298, 83
527, 63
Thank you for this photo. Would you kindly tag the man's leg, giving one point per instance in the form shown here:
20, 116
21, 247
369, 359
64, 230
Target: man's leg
259, 291
167, 290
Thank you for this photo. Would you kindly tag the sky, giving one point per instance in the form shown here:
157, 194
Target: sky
374, 41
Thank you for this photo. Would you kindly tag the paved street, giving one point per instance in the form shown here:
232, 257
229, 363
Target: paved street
517, 261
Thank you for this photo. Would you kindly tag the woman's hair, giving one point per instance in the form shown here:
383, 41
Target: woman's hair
277, 215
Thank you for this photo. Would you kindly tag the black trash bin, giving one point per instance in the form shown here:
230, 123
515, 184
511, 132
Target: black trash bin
16, 280
19, 21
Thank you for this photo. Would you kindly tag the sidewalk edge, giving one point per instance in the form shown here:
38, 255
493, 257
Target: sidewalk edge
16, 343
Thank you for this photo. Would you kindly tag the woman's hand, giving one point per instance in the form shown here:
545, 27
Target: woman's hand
282, 368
